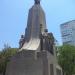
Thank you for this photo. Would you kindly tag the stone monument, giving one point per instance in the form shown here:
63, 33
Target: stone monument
36, 55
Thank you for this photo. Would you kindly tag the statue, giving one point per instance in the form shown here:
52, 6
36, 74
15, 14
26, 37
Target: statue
37, 1
21, 42
51, 42
47, 41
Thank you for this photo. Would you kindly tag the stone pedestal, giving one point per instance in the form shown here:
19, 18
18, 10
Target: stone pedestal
31, 63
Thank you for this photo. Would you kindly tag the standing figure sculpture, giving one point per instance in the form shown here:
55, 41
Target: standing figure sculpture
47, 41
51, 42
21, 42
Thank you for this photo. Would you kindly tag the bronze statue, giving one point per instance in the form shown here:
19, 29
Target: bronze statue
22, 40
37, 1
47, 41
51, 43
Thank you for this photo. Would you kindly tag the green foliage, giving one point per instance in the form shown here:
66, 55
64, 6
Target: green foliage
66, 58
5, 56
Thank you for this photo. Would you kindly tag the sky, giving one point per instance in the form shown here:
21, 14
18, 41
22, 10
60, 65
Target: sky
14, 13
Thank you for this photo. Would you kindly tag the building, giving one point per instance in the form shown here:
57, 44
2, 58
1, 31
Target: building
68, 32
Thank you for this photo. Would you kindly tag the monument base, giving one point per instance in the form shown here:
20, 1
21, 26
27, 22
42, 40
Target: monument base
31, 63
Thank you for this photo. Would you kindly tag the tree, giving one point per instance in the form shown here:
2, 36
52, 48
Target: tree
5, 56
66, 58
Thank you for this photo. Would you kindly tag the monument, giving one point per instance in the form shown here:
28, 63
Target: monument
36, 55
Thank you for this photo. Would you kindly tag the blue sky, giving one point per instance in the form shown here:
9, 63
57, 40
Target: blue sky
14, 13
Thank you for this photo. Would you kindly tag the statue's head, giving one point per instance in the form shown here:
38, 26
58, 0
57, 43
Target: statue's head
22, 36
37, 1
